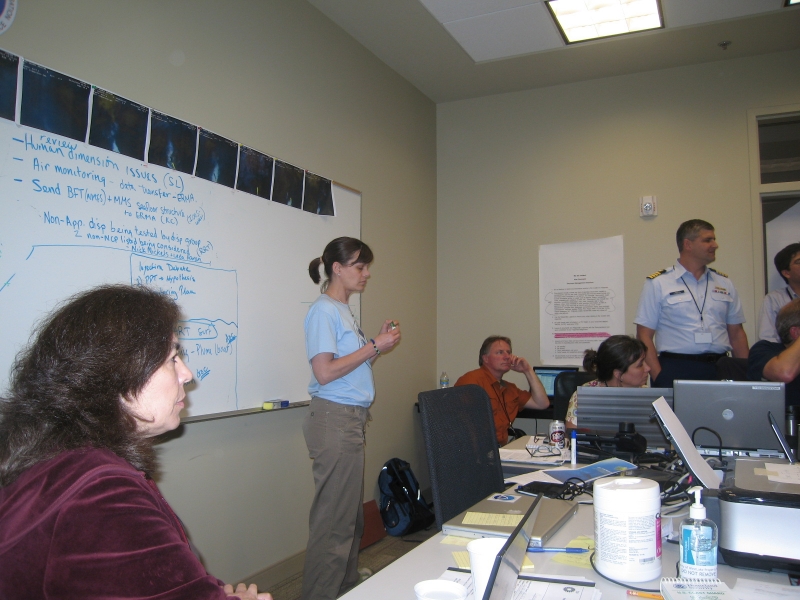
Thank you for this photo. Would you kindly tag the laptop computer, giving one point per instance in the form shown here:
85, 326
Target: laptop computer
684, 447
547, 375
736, 410
787, 450
505, 571
604, 408
498, 516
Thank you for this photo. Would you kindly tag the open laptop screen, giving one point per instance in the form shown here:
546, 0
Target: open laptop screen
547, 375
684, 447
508, 563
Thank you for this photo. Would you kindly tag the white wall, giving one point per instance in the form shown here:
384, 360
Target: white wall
569, 163
280, 77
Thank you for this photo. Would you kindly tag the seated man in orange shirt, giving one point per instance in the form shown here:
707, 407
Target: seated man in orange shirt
495, 360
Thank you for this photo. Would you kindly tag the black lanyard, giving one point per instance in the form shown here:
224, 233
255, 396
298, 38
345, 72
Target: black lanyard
699, 308
501, 400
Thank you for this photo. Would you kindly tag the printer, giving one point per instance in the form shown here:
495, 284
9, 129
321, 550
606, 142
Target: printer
759, 517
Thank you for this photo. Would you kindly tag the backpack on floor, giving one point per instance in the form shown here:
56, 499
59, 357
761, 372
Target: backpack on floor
403, 509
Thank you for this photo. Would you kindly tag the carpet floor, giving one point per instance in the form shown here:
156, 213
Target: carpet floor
370, 560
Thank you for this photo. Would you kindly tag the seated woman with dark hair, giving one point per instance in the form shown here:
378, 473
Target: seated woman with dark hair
618, 362
80, 515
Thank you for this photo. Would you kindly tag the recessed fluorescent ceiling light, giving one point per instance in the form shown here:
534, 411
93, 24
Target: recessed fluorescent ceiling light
581, 20
790, 2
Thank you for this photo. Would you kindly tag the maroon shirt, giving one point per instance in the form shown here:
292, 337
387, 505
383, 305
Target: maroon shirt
87, 525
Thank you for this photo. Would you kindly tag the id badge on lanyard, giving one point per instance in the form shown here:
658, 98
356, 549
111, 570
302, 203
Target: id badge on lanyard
702, 337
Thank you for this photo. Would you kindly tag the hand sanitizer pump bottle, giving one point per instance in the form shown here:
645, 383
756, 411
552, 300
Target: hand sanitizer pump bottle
698, 542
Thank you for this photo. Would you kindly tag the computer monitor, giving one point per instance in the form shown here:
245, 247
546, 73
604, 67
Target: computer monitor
604, 408
547, 375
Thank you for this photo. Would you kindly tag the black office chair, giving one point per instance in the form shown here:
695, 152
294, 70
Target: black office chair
461, 447
563, 387
733, 369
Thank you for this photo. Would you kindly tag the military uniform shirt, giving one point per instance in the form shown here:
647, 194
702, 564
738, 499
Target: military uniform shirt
773, 302
666, 306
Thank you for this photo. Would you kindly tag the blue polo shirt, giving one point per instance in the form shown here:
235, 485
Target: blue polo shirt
331, 327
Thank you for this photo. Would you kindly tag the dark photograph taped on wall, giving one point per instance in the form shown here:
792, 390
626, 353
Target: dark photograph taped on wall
317, 196
9, 64
255, 173
216, 158
54, 102
288, 186
118, 124
172, 143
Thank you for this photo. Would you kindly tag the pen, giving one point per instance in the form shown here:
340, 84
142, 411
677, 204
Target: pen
645, 595
573, 447
549, 549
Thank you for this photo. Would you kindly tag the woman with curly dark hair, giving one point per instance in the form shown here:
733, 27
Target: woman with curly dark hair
80, 515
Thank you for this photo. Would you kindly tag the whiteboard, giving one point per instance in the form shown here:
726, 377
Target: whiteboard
74, 216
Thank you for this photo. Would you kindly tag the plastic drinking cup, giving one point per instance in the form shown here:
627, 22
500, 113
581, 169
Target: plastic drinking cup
482, 553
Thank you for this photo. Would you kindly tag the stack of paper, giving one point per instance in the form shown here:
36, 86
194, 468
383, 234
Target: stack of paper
673, 588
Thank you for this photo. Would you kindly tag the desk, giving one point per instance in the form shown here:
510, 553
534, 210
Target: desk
510, 469
429, 561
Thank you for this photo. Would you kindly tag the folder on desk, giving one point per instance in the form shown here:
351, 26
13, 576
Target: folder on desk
499, 514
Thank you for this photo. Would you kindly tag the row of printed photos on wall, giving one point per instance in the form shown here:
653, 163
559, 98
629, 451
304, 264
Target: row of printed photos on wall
65, 106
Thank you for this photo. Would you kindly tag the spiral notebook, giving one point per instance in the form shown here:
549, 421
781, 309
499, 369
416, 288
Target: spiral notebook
673, 588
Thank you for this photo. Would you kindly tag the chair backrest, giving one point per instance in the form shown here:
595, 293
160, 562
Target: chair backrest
734, 369
461, 447
565, 385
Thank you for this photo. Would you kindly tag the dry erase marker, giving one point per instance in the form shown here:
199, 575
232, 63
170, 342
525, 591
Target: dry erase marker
392, 325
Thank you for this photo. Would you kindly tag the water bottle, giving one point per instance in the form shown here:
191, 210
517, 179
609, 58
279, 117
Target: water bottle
444, 380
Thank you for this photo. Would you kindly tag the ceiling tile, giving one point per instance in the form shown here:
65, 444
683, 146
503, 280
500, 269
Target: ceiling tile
454, 10
681, 13
507, 33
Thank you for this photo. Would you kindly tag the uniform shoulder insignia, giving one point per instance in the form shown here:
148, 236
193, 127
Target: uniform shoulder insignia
725, 275
656, 274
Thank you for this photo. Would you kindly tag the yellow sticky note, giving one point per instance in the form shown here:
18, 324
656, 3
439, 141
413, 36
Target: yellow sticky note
455, 540
476, 518
461, 558
764, 472
527, 564
577, 560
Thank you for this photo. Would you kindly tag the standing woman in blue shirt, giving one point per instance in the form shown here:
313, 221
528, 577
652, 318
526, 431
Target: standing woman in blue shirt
342, 390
